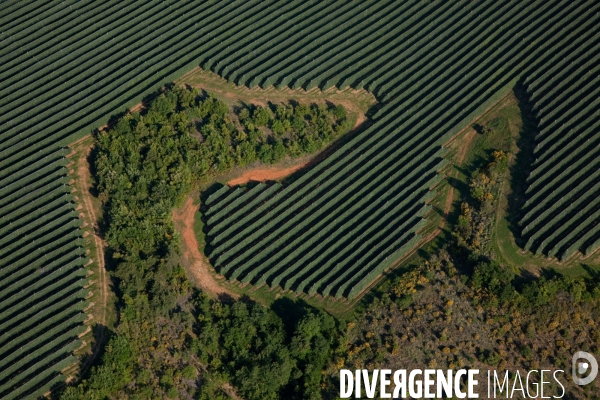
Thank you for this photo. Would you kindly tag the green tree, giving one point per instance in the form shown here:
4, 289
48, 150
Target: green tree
261, 116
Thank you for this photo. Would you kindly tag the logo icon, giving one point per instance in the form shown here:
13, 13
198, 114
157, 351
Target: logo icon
581, 363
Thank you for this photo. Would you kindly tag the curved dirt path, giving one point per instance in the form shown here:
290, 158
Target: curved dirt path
199, 267
83, 174
462, 152
265, 174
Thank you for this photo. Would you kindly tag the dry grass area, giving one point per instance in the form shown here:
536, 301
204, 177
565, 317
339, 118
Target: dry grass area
266, 174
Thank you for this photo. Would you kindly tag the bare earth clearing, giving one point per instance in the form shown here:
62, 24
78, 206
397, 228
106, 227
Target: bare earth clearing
199, 266
265, 174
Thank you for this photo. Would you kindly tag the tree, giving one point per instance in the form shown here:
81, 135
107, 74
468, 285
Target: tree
279, 151
339, 111
261, 116
277, 127
265, 153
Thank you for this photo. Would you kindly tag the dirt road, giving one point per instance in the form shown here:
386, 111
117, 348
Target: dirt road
199, 266
82, 182
265, 174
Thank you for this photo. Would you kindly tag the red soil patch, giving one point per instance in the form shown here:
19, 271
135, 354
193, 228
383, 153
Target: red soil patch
200, 268
265, 174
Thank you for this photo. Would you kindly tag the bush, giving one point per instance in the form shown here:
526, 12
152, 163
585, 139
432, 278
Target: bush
261, 116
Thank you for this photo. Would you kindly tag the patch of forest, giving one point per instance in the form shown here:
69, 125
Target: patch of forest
458, 308
171, 340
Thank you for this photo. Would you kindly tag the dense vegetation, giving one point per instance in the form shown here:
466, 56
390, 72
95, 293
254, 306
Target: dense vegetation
440, 316
172, 340
296, 130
